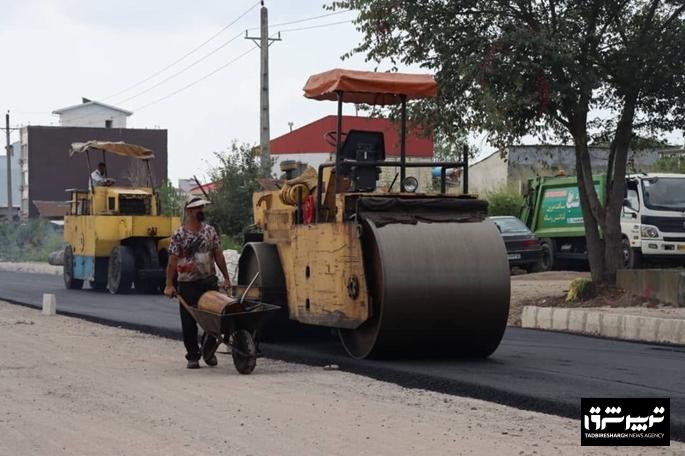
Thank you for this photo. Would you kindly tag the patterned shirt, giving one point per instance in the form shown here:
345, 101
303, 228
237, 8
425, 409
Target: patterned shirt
195, 252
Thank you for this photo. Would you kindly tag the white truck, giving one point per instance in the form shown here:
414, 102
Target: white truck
653, 218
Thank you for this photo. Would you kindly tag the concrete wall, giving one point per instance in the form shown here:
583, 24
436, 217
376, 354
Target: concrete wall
312, 159
665, 285
524, 162
92, 115
50, 169
488, 175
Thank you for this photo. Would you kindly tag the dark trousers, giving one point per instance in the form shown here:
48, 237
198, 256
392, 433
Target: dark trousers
191, 293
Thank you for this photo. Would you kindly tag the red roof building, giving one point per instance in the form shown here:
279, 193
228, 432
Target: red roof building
310, 138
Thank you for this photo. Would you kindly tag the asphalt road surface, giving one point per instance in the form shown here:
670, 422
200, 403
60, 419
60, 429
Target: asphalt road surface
534, 370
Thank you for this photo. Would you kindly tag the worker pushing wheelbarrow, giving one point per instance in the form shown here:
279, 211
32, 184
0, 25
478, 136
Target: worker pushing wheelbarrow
195, 248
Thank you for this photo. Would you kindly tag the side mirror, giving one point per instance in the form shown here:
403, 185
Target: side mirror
627, 203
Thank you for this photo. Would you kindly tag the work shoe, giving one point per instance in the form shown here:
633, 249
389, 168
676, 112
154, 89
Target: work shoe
210, 361
209, 350
193, 364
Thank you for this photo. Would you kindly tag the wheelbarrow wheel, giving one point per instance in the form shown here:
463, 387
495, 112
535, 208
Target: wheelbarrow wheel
244, 351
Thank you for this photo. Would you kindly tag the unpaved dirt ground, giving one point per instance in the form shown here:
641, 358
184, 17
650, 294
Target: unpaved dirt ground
69, 387
528, 288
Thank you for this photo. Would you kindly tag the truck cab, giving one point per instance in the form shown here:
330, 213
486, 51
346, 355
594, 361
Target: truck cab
653, 217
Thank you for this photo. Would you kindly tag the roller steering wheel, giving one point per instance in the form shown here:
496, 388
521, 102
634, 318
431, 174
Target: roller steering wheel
330, 137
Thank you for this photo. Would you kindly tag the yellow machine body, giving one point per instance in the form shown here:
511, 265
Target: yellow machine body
97, 234
320, 262
115, 238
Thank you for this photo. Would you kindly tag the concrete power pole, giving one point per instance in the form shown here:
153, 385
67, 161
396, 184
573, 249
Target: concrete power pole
10, 211
263, 41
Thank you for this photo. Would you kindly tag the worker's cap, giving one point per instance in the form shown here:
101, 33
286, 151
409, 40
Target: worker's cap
196, 201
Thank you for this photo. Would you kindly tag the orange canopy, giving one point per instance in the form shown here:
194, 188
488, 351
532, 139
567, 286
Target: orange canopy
369, 87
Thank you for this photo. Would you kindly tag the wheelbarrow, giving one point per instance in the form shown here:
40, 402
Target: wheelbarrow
231, 321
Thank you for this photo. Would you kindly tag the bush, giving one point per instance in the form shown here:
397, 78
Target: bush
236, 179
504, 202
28, 241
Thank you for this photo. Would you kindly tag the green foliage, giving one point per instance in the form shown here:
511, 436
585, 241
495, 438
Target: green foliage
519, 68
636, 142
578, 290
171, 199
504, 202
236, 176
447, 148
28, 241
229, 243
543, 68
670, 164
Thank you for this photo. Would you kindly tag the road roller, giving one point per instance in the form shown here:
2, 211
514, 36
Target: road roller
115, 236
396, 272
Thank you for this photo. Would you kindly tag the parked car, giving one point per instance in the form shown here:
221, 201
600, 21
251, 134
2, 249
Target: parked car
523, 247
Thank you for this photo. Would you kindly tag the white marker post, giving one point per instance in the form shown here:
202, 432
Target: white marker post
49, 304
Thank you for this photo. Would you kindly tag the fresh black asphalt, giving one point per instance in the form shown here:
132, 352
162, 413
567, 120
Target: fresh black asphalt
534, 370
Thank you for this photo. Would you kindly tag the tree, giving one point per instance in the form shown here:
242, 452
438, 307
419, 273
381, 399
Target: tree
170, 199
447, 148
561, 68
236, 179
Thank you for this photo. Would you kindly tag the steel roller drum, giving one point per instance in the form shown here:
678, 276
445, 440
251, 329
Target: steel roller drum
437, 289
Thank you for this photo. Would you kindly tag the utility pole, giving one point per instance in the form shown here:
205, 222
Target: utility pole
9, 168
264, 41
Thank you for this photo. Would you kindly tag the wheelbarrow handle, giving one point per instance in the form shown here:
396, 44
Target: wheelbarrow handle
242, 298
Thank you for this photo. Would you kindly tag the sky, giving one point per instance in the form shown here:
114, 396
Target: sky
57, 51
61, 50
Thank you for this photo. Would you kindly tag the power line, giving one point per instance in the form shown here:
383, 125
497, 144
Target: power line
314, 26
192, 51
183, 70
187, 86
217, 69
226, 43
307, 19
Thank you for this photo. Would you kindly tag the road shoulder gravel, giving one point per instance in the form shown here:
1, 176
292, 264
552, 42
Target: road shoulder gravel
74, 387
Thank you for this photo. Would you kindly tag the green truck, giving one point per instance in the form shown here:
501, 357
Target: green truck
652, 218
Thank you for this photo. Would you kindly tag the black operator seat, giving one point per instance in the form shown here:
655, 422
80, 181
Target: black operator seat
363, 146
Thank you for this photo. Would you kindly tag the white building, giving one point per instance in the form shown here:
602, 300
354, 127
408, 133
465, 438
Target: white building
92, 114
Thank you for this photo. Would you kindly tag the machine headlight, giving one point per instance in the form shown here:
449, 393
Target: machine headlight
410, 184
649, 232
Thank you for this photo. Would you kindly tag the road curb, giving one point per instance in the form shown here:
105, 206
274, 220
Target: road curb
605, 324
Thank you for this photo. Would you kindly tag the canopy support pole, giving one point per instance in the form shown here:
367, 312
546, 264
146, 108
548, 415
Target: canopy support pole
92, 184
338, 146
403, 142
